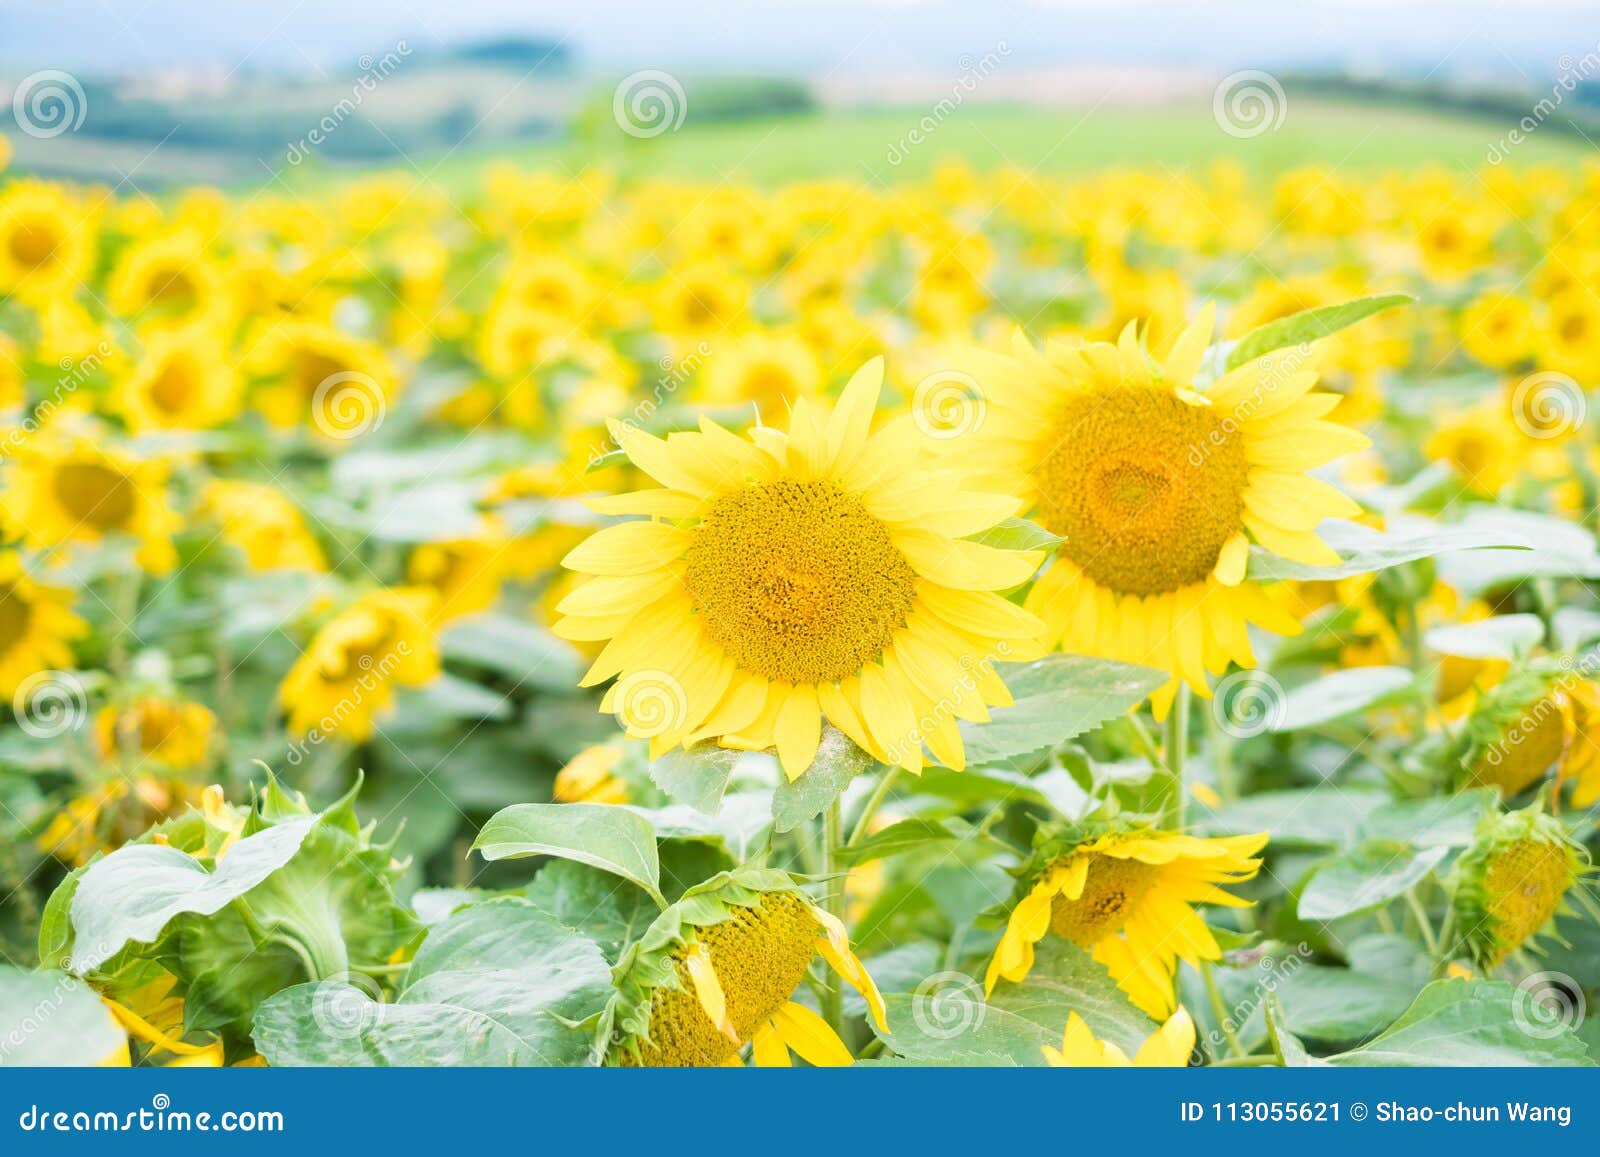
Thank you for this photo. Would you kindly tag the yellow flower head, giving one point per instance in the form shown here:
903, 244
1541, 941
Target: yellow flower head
171, 276
341, 384
719, 969
1158, 485
1512, 882
588, 778
1127, 898
184, 380
107, 816
348, 675
47, 242
822, 572
1166, 1048
465, 574
164, 731
264, 524
37, 626
67, 487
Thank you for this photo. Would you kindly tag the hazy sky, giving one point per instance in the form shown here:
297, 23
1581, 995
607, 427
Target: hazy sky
1513, 39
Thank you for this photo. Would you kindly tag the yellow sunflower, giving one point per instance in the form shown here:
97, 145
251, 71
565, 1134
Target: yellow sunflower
66, 487
348, 675
173, 732
1127, 898
1166, 1048
47, 242
37, 626
170, 275
464, 573
588, 778
264, 524
1158, 486
770, 370
342, 384
795, 576
184, 380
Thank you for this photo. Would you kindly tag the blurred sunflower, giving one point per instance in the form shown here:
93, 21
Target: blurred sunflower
1512, 882
175, 733
1127, 898
342, 384
183, 380
47, 242
587, 776
170, 275
37, 626
1158, 489
264, 524
777, 581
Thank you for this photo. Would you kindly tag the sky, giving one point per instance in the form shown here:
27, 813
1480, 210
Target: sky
1517, 41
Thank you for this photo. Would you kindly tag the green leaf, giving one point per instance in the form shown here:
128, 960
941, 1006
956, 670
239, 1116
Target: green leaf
1312, 817
613, 839
1310, 325
611, 912
946, 1021
1500, 637
1365, 877
739, 829
1018, 534
1471, 1023
838, 762
521, 651
499, 983
1328, 1005
1056, 699
1557, 548
1364, 550
131, 895
906, 836
609, 458
697, 776
1342, 693
53, 1020
1445, 821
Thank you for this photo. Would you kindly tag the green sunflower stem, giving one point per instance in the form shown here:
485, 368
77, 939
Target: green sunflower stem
1177, 745
833, 868
874, 802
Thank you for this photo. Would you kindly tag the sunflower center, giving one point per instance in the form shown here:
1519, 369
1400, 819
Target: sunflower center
32, 245
96, 495
1531, 744
760, 956
1144, 487
16, 613
1525, 883
797, 582
311, 368
175, 386
171, 286
1111, 891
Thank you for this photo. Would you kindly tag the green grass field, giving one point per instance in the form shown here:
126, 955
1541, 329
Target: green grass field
1356, 137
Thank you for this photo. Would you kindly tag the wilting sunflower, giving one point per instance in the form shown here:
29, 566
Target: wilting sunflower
172, 732
37, 626
1127, 898
68, 487
113, 812
1158, 485
719, 969
184, 380
588, 778
348, 674
1538, 716
1512, 882
818, 573
1166, 1048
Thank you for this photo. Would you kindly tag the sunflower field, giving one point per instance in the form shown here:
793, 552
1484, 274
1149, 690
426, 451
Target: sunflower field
1142, 617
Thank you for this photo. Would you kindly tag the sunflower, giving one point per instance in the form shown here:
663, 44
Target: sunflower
799, 576
37, 626
264, 524
171, 276
1126, 897
1498, 329
47, 242
348, 675
342, 384
172, 732
110, 814
67, 487
588, 776
184, 380
719, 969
1513, 881
1538, 716
1157, 488
1166, 1048
465, 574
769, 370
1480, 444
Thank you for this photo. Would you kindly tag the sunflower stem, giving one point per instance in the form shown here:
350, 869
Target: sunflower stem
832, 828
1219, 1009
870, 808
1430, 939
1176, 748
